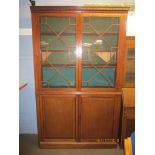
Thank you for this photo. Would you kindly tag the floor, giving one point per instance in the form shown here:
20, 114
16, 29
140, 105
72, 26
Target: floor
28, 146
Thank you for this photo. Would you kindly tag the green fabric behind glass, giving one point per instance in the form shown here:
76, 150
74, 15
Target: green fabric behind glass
106, 77
97, 80
58, 80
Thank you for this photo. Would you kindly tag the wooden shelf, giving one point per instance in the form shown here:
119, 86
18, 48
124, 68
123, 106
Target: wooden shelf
73, 33
83, 66
55, 50
66, 50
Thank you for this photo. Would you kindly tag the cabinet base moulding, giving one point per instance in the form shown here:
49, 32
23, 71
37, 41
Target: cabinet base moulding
77, 145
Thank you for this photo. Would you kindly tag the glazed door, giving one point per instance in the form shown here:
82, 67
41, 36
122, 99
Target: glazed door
58, 46
100, 36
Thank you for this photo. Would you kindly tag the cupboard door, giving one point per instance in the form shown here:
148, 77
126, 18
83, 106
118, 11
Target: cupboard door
58, 51
58, 113
99, 51
97, 118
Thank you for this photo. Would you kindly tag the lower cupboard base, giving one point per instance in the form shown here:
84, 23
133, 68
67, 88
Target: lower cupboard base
77, 145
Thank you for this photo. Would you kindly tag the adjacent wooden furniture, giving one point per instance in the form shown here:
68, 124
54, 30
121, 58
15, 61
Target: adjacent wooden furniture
78, 59
128, 119
129, 67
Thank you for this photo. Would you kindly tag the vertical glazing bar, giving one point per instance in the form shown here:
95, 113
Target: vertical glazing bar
79, 51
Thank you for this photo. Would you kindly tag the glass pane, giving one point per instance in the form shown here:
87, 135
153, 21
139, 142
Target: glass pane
99, 51
58, 51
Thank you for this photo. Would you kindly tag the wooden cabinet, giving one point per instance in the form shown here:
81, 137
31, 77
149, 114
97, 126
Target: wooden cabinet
129, 67
78, 59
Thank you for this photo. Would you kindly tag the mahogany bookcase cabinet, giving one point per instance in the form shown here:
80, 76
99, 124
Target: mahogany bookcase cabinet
78, 59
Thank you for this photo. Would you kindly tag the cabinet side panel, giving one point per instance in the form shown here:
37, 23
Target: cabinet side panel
36, 54
121, 51
116, 120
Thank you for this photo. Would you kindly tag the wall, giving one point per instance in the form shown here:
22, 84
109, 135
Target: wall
27, 107
27, 110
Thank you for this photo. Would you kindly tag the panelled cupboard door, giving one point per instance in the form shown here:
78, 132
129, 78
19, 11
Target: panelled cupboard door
98, 116
58, 113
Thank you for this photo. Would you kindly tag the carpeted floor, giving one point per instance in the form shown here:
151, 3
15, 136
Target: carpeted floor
28, 146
